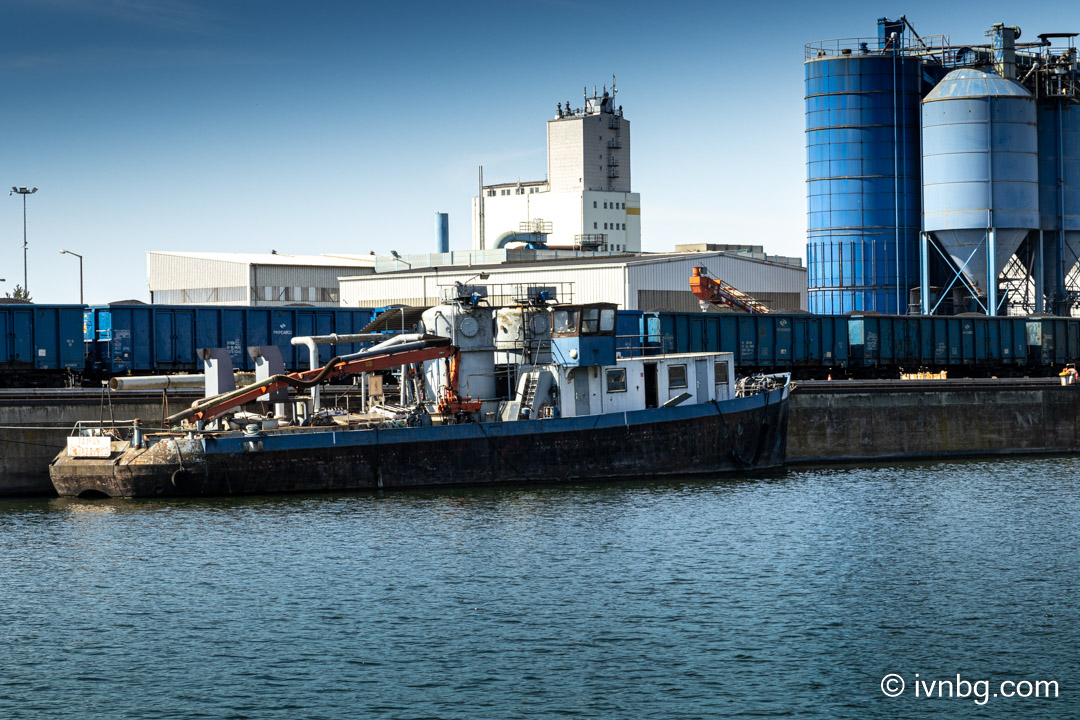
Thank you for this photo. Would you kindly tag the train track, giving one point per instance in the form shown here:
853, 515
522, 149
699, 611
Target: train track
826, 387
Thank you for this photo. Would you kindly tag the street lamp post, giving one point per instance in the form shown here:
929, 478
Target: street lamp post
24, 192
68, 252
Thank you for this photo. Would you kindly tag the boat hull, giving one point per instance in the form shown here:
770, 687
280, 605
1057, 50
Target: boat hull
744, 434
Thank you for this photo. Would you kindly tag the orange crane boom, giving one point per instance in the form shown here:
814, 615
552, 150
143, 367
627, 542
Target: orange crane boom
714, 291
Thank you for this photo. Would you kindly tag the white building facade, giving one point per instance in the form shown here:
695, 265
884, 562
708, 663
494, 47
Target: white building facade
643, 282
586, 199
212, 278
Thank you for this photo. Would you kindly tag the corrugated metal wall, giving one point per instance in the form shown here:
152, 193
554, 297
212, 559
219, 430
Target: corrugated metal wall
752, 277
178, 272
619, 283
596, 283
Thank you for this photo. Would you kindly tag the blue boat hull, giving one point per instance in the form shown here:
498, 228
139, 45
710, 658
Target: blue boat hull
744, 434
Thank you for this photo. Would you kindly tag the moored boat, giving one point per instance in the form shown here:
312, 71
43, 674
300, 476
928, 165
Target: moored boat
579, 413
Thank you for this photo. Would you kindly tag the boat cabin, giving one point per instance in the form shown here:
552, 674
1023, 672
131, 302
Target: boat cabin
583, 335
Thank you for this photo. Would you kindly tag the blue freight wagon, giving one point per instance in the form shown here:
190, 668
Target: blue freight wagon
815, 346
40, 345
160, 339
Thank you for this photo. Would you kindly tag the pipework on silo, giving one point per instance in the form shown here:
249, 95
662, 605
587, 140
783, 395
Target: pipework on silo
943, 178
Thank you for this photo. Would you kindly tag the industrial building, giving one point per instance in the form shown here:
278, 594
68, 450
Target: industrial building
181, 278
943, 178
586, 200
659, 281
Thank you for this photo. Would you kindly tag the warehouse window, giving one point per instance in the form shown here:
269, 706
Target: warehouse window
676, 376
616, 380
328, 295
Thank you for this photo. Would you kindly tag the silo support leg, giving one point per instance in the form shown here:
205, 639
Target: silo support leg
924, 273
1038, 269
991, 273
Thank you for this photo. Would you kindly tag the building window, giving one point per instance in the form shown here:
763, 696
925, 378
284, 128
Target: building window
594, 226
594, 204
491, 193
676, 375
605, 206
616, 380
605, 226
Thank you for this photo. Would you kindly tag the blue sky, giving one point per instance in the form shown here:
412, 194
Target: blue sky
344, 126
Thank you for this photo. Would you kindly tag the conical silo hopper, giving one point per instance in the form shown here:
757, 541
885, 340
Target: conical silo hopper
980, 172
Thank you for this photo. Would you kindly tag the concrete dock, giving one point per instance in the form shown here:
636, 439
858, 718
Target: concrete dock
906, 419
34, 425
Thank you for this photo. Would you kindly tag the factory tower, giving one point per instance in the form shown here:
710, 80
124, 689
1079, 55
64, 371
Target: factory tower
585, 203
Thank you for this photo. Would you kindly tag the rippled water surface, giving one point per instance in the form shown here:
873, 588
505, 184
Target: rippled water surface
792, 596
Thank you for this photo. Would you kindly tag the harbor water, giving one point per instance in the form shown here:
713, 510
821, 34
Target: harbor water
811, 593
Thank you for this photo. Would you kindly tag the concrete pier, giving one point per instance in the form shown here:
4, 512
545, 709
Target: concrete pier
892, 420
34, 425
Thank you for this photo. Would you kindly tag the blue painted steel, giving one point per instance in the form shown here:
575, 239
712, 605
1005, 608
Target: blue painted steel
584, 350
164, 338
862, 143
442, 232
637, 333
980, 170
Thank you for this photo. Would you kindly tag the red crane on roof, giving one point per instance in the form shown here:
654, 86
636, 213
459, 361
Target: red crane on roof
714, 291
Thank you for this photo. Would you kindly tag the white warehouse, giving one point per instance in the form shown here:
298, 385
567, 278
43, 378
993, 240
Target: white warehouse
651, 282
218, 278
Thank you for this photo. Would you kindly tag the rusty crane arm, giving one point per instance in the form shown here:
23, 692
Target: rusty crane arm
431, 348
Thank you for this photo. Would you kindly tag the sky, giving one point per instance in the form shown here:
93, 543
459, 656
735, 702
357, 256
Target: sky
343, 127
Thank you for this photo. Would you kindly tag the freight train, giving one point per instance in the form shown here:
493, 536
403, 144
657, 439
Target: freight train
58, 345
862, 346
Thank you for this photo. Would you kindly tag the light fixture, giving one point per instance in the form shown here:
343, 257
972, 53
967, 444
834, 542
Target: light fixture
68, 252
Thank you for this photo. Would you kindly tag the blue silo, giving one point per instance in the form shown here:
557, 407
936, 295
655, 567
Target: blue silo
980, 176
862, 145
1059, 197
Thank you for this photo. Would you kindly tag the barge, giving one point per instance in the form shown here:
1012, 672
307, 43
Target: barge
576, 412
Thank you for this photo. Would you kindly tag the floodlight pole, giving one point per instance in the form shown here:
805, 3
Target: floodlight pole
24, 192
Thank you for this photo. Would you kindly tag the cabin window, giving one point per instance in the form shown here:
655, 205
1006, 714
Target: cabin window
590, 321
565, 321
676, 376
720, 368
607, 320
616, 380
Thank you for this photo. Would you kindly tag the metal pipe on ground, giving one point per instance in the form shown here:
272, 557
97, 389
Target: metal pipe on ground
170, 382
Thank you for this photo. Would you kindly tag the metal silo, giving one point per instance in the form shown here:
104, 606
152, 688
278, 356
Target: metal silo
862, 145
980, 177
1059, 198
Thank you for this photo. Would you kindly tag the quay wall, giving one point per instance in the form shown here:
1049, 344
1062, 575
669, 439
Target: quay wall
831, 426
